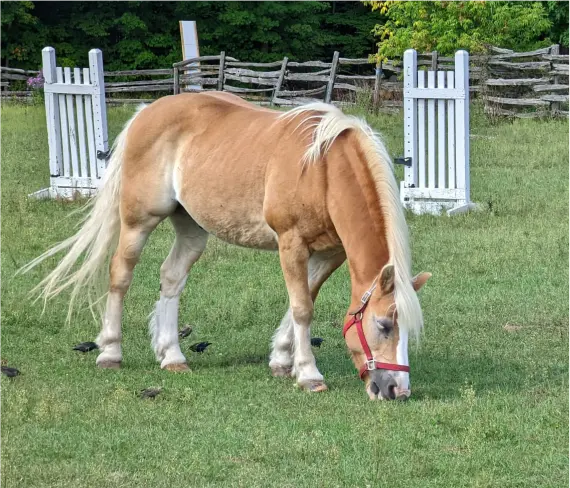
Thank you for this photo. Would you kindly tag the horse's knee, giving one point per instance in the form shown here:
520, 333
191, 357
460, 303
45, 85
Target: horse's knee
302, 314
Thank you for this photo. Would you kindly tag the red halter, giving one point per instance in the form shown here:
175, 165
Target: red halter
371, 363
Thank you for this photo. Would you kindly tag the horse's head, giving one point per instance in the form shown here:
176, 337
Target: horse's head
379, 347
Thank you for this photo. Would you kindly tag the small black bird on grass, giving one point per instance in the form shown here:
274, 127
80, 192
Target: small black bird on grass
316, 341
185, 331
150, 392
200, 347
10, 372
86, 347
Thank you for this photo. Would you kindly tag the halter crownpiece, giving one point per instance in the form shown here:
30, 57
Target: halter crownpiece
356, 320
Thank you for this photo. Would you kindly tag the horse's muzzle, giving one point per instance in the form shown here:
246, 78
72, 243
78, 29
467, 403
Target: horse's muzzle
383, 385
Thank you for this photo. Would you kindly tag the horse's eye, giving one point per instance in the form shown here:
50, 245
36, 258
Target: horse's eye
385, 324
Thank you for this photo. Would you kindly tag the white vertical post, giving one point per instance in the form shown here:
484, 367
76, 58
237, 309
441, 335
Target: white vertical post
64, 130
52, 113
462, 122
80, 125
71, 125
431, 133
451, 134
421, 165
410, 118
99, 109
441, 162
90, 130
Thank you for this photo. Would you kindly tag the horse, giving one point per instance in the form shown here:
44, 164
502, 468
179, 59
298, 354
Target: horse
312, 183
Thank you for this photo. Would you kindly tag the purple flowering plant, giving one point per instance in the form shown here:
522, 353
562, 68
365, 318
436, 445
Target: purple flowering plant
36, 82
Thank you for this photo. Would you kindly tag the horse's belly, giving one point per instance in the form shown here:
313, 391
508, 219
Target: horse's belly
250, 233
233, 222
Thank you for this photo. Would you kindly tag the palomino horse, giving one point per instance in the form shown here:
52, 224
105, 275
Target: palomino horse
312, 183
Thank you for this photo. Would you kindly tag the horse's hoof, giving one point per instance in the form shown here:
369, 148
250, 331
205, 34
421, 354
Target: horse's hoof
109, 364
314, 386
281, 372
177, 367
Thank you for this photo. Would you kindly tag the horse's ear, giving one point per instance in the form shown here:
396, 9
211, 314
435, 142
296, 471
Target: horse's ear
386, 279
420, 280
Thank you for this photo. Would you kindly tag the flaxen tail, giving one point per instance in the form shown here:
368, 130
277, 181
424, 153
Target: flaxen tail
96, 240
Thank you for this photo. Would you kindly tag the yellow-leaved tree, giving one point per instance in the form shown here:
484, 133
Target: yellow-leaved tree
446, 26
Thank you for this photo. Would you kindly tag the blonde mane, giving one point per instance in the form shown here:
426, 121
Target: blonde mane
326, 123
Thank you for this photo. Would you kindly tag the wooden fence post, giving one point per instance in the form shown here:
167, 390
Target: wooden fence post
434, 60
176, 74
52, 113
221, 71
99, 110
555, 106
330, 86
377, 82
279, 80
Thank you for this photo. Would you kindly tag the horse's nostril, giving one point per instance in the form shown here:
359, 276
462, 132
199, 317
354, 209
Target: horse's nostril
392, 392
374, 388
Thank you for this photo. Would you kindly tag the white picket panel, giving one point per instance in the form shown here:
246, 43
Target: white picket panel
446, 128
80, 124
77, 126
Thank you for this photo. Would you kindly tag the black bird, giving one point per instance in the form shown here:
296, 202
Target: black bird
150, 392
199, 347
86, 347
185, 331
10, 372
316, 341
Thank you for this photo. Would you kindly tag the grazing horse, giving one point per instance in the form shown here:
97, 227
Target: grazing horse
312, 183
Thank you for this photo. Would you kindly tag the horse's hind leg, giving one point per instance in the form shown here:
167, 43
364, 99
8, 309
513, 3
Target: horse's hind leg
131, 242
188, 247
321, 266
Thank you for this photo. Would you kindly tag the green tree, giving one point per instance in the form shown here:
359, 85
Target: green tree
130, 34
448, 26
347, 27
19, 26
261, 31
146, 34
558, 15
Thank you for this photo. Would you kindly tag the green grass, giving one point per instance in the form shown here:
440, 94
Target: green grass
490, 378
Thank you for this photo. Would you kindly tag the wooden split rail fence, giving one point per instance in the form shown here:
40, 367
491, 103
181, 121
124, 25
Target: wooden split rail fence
528, 84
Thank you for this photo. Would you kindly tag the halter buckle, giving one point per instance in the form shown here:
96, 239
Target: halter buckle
366, 297
370, 364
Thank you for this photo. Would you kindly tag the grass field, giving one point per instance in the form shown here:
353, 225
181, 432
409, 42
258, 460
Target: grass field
489, 406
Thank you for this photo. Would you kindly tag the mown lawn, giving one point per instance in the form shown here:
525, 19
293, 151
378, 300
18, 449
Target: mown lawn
490, 378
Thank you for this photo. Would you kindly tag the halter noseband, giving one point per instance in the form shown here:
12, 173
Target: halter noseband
356, 320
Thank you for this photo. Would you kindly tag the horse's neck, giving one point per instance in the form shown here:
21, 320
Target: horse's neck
355, 211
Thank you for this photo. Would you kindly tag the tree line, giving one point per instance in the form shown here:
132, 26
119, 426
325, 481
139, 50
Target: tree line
139, 35
143, 35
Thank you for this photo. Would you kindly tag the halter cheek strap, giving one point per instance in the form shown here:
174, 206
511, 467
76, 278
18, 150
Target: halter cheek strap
371, 363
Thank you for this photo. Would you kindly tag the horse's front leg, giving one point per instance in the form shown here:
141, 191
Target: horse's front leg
321, 266
294, 256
